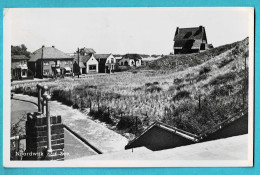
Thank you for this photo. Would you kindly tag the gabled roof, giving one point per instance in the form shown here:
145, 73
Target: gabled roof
169, 128
83, 59
135, 57
19, 57
101, 56
49, 53
193, 33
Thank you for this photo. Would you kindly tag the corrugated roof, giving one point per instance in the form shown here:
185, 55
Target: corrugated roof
189, 33
48, 53
19, 57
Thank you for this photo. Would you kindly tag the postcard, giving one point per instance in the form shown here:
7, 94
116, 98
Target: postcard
128, 87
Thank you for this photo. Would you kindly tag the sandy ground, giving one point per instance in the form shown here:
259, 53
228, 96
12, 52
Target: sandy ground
95, 133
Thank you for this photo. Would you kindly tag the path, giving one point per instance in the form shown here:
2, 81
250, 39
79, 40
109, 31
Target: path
96, 134
73, 147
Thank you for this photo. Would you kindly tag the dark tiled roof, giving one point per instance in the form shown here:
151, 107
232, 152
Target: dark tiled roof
132, 56
19, 57
101, 56
83, 59
88, 50
49, 53
189, 33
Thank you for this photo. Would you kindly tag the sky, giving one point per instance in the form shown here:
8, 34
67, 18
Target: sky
121, 30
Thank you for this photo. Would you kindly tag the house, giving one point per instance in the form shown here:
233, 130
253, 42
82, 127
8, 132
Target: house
49, 61
190, 40
87, 64
159, 136
106, 63
131, 60
19, 66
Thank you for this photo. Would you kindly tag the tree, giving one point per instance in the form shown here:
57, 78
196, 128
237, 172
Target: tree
20, 50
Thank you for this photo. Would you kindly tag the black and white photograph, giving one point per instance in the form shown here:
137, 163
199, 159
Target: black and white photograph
128, 87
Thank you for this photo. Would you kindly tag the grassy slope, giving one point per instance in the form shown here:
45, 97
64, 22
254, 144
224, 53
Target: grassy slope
168, 90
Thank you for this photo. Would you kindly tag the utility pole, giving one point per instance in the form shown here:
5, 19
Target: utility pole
42, 63
78, 64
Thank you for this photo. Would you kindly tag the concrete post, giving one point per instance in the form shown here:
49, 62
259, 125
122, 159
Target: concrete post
47, 98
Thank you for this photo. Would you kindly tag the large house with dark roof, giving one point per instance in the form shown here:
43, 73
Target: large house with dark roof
106, 63
190, 40
49, 61
19, 66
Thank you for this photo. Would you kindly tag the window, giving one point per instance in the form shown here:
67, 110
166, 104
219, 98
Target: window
122, 63
112, 60
46, 72
24, 71
126, 63
46, 63
92, 67
66, 62
58, 62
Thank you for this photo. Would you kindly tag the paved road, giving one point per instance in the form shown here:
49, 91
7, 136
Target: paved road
74, 148
95, 133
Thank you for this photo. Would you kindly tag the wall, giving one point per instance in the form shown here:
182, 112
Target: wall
92, 61
36, 138
158, 139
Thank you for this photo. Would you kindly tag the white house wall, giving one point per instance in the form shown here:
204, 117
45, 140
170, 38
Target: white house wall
130, 62
92, 61
109, 59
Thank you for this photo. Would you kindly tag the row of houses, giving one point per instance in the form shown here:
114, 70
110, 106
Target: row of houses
50, 61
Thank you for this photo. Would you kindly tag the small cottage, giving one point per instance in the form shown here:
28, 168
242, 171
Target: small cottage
190, 40
131, 60
19, 67
106, 63
87, 64
49, 61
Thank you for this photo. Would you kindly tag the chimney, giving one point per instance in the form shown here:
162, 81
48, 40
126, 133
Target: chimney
43, 46
200, 28
53, 46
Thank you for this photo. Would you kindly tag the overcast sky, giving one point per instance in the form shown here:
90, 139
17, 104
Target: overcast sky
122, 30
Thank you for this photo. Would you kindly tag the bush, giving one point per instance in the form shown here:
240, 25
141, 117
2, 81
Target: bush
153, 88
205, 70
201, 77
223, 79
177, 80
128, 123
181, 95
225, 62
